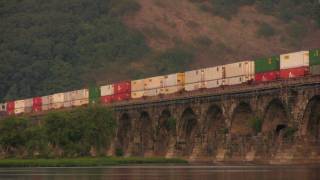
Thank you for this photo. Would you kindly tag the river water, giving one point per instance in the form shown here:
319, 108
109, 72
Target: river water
166, 172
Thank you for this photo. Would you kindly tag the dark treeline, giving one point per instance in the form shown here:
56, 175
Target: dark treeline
77, 133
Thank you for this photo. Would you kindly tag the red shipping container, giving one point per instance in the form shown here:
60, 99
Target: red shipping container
106, 99
10, 107
266, 76
294, 72
122, 87
121, 97
37, 104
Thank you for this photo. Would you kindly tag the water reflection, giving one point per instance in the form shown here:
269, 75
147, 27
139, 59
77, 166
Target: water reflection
165, 172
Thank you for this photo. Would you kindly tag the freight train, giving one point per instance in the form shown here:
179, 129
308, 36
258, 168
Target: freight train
262, 70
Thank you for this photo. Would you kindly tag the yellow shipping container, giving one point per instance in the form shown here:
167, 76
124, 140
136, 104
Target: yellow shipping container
194, 80
237, 73
19, 107
172, 83
80, 97
152, 86
57, 101
3, 107
137, 89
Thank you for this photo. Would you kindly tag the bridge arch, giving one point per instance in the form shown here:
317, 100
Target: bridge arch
188, 129
144, 138
240, 120
123, 133
311, 118
165, 130
214, 128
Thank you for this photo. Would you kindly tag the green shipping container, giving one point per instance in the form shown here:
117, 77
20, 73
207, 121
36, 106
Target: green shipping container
315, 69
314, 57
94, 95
267, 64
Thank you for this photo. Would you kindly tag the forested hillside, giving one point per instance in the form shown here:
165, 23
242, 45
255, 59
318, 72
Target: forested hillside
49, 46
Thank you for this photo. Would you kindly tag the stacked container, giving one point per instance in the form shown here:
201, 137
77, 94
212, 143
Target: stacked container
107, 92
267, 69
46, 102
94, 95
152, 86
3, 107
67, 99
314, 57
294, 64
57, 100
237, 73
137, 89
10, 107
213, 76
80, 97
122, 91
19, 107
28, 103
172, 83
37, 104
194, 80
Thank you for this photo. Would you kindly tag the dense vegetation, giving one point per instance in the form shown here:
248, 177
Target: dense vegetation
76, 133
49, 46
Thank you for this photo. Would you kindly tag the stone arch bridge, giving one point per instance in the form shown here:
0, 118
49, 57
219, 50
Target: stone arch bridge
276, 122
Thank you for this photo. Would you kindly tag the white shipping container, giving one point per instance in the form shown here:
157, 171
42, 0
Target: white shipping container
57, 101
19, 107
137, 88
172, 83
28, 103
107, 90
213, 76
194, 80
67, 99
3, 107
294, 60
80, 97
152, 86
237, 73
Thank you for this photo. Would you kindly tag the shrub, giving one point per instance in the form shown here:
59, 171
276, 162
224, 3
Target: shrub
203, 41
171, 124
265, 30
256, 124
119, 152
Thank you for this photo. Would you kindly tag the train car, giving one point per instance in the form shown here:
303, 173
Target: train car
194, 80
152, 86
107, 92
314, 60
46, 102
294, 64
94, 95
213, 77
267, 69
3, 108
172, 83
80, 97
19, 106
28, 103
37, 104
67, 99
10, 107
137, 89
238, 73
122, 91
57, 101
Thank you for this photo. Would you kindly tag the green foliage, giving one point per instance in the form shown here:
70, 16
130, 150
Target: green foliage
52, 46
171, 124
289, 133
256, 124
203, 41
265, 30
228, 8
119, 152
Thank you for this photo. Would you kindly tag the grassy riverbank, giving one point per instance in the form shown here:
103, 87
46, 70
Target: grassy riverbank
81, 162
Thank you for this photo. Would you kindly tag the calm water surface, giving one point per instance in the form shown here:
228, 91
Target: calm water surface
166, 172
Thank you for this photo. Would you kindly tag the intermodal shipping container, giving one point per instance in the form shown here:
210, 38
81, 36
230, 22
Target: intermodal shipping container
107, 90
57, 100
106, 99
294, 60
122, 87
121, 96
46, 102
28, 103
67, 99
80, 97
152, 86
137, 88
10, 107
266, 76
3, 107
194, 80
294, 72
267, 64
213, 77
237, 73
94, 95
37, 104
19, 106
314, 57
315, 69
172, 83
